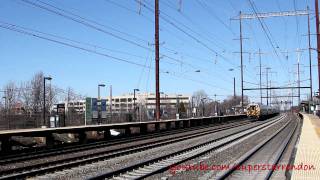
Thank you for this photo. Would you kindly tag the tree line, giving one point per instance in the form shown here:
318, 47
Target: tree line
27, 97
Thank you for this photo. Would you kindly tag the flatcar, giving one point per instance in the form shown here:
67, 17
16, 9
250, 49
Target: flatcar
259, 112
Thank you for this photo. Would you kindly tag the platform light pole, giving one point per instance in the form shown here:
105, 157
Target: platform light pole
178, 104
203, 108
5, 103
134, 101
110, 103
44, 99
234, 84
99, 100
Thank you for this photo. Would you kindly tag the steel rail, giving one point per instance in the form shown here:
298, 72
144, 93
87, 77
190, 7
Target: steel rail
162, 163
76, 161
112, 142
225, 174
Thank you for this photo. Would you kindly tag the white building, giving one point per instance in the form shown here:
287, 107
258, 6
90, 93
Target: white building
125, 103
78, 106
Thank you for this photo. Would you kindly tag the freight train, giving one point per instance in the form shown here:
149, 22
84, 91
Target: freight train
259, 112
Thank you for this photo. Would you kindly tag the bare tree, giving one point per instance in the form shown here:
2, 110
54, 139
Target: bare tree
26, 96
197, 96
51, 97
11, 95
37, 91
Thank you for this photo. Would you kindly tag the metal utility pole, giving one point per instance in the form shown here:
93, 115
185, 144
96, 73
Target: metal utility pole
157, 59
299, 94
270, 92
260, 73
298, 73
310, 59
241, 59
234, 87
260, 79
318, 40
215, 102
275, 14
267, 73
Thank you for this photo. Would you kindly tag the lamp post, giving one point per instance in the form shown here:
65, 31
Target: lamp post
44, 99
134, 98
5, 102
202, 100
234, 84
134, 102
217, 108
99, 101
192, 114
177, 106
5, 110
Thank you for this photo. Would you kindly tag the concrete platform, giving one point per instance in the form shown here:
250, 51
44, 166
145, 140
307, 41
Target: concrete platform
307, 158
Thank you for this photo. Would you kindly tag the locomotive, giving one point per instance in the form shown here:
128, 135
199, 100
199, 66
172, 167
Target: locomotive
259, 112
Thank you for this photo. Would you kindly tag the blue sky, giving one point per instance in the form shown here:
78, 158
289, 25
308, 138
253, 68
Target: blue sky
207, 21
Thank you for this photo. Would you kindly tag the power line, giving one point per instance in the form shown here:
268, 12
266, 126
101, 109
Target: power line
176, 52
84, 22
186, 33
206, 7
87, 22
267, 32
15, 29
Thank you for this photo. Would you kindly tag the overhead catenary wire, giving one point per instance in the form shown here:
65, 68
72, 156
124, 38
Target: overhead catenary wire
184, 54
93, 24
166, 19
14, 28
267, 33
207, 8
170, 20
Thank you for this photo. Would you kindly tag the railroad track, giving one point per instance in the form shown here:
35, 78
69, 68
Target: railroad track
23, 156
153, 166
42, 168
262, 154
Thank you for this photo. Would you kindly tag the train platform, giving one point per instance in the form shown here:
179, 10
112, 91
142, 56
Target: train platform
307, 159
